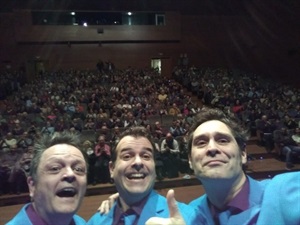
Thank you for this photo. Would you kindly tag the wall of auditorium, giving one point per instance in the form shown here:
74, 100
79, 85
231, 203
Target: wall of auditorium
256, 44
27, 33
82, 47
251, 43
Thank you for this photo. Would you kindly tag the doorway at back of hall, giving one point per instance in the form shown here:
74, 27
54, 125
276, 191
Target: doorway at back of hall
162, 65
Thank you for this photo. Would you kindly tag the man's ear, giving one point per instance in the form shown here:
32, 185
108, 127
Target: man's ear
31, 186
111, 169
244, 155
190, 163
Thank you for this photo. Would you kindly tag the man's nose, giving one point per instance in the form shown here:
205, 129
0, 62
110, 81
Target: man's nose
69, 175
138, 163
212, 148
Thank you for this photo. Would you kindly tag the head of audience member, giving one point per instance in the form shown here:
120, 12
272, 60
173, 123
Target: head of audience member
101, 140
116, 130
297, 131
9, 136
264, 118
132, 165
13, 149
157, 124
217, 146
284, 130
57, 180
169, 137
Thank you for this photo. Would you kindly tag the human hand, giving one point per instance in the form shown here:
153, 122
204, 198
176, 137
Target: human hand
106, 205
175, 216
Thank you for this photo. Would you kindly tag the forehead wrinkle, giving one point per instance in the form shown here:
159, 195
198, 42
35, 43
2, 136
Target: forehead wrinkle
130, 143
216, 133
132, 149
207, 134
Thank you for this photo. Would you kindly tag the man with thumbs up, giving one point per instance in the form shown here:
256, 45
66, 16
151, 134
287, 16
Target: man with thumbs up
175, 216
217, 153
132, 168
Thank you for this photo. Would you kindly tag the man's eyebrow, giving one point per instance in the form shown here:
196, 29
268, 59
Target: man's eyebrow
218, 134
131, 149
125, 150
199, 137
149, 149
61, 160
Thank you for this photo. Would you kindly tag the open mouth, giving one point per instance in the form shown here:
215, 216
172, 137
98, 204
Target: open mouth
66, 192
136, 176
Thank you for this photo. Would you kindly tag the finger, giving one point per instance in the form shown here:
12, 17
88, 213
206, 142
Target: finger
112, 199
104, 207
157, 221
172, 204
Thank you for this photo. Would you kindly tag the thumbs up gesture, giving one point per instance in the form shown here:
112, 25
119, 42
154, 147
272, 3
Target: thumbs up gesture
175, 216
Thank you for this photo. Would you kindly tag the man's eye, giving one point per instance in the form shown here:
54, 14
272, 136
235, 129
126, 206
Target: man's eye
79, 169
126, 157
200, 143
223, 141
147, 157
54, 169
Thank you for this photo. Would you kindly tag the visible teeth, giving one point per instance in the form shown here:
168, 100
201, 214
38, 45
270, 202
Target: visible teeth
136, 175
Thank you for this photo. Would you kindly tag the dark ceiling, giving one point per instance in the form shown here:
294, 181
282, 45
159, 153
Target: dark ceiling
200, 7
275, 24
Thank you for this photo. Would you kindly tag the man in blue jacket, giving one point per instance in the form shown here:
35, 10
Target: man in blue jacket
57, 182
132, 167
217, 153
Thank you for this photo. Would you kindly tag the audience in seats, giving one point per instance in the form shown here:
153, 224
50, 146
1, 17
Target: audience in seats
71, 99
292, 147
8, 171
88, 148
169, 149
176, 129
174, 110
158, 131
102, 154
266, 129
8, 142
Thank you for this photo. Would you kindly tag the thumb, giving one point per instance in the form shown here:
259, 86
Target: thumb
175, 217
172, 204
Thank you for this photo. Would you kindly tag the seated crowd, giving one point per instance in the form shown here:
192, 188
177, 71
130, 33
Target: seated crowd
264, 105
100, 104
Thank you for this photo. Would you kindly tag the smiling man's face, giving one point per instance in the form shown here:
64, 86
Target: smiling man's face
61, 181
134, 169
215, 153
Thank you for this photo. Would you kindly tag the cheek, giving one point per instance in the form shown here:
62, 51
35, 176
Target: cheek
119, 169
152, 168
197, 155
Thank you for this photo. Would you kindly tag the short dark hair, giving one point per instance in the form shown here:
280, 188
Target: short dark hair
136, 132
46, 141
240, 133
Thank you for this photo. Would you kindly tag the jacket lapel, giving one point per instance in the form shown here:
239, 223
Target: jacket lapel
154, 206
250, 215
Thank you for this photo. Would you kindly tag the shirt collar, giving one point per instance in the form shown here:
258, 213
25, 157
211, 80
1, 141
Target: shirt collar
134, 209
36, 219
239, 203
241, 200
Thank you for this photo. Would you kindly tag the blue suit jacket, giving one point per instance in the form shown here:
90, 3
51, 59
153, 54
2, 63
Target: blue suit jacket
22, 219
156, 206
281, 201
271, 202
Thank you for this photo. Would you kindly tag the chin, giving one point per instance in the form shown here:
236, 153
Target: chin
139, 191
67, 210
211, 174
